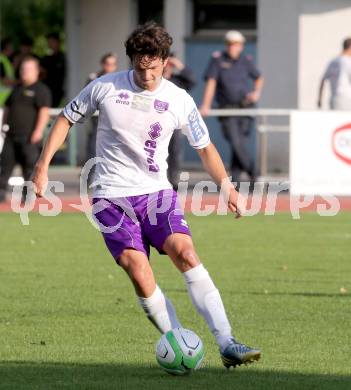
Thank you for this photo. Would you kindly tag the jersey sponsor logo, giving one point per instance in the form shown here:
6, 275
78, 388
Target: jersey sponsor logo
197, 130
123, 95
160, 106
151, 145
141, 103
123, 98
155, 130
341, 143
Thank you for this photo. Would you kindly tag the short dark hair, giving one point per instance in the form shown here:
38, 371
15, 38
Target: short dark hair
346, 44
149, 39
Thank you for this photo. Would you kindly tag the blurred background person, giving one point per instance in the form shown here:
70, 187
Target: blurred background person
236, 83
338, 74
183, 77
7, 71
27, 115
54, 69
109, 64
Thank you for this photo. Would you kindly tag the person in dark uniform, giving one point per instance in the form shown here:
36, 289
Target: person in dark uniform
236, 83
26, 115
183, 77
54, 69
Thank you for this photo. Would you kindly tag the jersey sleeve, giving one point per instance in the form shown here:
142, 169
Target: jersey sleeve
83, 105
193, 126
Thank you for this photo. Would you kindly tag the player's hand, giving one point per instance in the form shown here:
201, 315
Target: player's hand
236, 203
36, 137
40, 180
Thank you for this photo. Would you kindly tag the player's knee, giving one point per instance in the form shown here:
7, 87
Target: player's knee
137, 269
140, 273
187, 259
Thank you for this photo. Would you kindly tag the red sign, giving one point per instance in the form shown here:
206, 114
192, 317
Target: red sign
341, 143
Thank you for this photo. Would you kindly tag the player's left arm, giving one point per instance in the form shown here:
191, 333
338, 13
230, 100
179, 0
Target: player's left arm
213, 164
193, 126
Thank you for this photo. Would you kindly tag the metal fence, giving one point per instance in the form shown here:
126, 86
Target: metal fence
263, 127
263, 117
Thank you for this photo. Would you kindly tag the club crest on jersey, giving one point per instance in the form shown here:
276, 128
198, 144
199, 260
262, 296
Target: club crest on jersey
160, 106
123, 98
155, 131
194, 122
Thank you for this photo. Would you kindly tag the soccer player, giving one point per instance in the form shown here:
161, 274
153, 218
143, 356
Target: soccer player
138, 112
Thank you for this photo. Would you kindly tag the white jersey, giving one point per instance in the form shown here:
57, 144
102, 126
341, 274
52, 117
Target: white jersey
134, 130
338, 73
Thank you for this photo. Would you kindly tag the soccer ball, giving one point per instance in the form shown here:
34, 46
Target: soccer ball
179, 351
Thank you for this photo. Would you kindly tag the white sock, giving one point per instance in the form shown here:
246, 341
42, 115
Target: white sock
160, 311
208, 302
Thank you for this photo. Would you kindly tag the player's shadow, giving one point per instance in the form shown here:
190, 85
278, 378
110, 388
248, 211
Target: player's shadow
49, 376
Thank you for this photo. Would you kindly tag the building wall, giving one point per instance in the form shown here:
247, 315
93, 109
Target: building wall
102, 26
323, 25
277, 50
176, 24
296, 39
94, 27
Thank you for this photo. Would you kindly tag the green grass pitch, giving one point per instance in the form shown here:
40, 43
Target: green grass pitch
69, 317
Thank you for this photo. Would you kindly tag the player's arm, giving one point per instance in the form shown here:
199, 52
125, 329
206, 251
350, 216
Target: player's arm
80, 108
213, 164
55, 139
195, 129
210, 89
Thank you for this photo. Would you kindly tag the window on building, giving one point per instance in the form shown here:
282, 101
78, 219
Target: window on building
150, 10
224, 15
